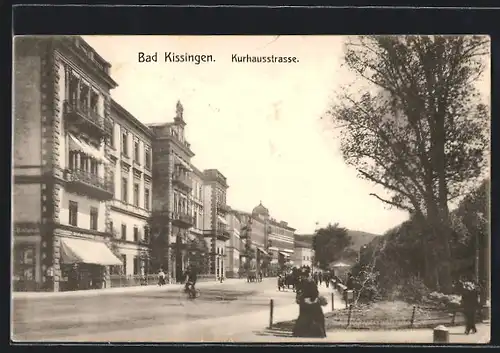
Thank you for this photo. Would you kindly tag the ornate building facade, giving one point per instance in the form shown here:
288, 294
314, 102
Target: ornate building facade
130, 154
61, 172
97, 192
215, 228
172, 195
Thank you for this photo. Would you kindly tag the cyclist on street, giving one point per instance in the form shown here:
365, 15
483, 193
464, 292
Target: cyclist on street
191, 281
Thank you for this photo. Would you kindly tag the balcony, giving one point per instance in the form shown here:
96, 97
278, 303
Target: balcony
82, 116
222, 234
130, 209
182, 220
223, 208
182, 181
89, 184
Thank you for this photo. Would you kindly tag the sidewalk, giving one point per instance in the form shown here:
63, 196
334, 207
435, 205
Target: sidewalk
106, 291
457, 336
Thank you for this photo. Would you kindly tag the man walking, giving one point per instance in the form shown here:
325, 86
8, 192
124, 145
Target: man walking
470, 303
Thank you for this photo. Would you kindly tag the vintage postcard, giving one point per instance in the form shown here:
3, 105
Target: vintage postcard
251, 189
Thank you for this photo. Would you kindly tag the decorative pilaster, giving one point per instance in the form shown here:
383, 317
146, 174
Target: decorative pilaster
169, 253
50, 156
108, 168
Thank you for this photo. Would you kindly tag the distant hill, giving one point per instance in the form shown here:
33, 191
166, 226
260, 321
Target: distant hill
359, 238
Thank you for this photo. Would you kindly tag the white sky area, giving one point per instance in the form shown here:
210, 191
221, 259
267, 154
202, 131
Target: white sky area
258, 124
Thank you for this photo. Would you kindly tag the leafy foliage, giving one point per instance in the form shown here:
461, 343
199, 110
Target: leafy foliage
397, 257
329, 244
421, 130
198, 254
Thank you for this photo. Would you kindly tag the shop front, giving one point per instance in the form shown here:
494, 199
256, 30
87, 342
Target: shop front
26, 267
85, 264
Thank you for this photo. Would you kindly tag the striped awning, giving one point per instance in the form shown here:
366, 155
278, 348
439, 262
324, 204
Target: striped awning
179, 160
222, 220
76, 144
284, 254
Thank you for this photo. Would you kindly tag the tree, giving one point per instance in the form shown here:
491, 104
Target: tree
329, 244
198, 253
421, 132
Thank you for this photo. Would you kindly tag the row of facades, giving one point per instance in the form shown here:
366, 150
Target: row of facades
95, 187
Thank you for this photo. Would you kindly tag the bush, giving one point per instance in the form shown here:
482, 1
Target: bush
451, 301
369, 293
412, 290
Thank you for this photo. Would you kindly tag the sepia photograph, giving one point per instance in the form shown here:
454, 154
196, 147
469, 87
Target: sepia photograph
299, 188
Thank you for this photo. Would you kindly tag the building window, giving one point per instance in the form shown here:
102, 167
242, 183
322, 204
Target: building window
147, 157
73, 213
146, 199
112, 138
111, 227
124, 190
93, 218
124, 232
136, 151
124, 259
136, 234
24, 263
136, 265
146, 235
124, 143
136, 195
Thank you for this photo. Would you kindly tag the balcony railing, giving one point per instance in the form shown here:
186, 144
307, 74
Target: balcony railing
182, 181
119, 204
181, 219
83, 114
222, 234
90, 183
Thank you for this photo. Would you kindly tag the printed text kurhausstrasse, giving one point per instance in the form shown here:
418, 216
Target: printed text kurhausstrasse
235, 58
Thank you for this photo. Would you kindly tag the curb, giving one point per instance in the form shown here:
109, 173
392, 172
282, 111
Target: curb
111, 291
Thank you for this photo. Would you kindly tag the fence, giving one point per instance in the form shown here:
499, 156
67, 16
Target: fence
382, 315
117, 281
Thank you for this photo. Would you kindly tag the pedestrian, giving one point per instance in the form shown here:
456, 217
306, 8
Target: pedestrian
470, 303
320, 278
161, 277
311, 320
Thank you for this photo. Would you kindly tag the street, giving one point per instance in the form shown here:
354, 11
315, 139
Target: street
154, 315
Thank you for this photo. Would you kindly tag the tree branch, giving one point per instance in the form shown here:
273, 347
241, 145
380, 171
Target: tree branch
392, 203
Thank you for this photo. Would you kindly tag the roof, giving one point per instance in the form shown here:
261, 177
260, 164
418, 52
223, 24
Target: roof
302, 244
124, 113
260, 210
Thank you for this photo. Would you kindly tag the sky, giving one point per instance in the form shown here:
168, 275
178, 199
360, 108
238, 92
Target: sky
259, 124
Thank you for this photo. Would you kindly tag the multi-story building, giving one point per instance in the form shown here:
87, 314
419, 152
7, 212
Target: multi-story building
303, 254
171, 198
95, 185
280, 241
235, 245
269, 243
61, 172
130, 154
197, 202
215, 225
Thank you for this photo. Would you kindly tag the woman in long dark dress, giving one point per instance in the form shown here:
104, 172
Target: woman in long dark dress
311, 320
